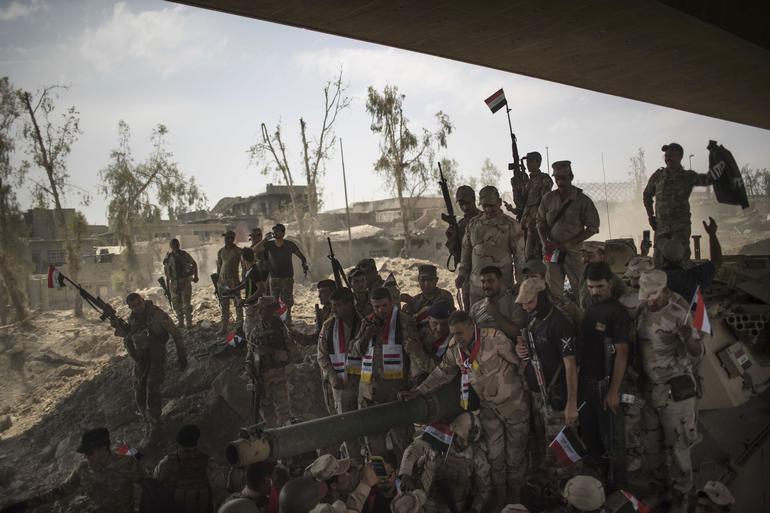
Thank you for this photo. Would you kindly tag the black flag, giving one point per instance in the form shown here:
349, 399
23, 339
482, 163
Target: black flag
728, 182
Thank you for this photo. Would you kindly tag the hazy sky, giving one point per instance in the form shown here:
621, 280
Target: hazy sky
212, 78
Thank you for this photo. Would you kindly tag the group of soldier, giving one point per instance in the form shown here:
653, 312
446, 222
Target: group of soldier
609, 363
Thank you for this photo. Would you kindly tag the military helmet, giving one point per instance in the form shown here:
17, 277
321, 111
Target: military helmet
238, 505
584, 493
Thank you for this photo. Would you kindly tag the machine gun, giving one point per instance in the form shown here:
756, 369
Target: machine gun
166, 291
254, 386
537, 367
337, 269
604, 388
450, 219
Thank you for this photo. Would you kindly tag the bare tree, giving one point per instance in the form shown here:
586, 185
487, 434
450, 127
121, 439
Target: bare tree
638, 172
49, 144
405, 160
270, 153
756, 181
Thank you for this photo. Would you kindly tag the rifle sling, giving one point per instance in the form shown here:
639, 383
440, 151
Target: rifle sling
561, 212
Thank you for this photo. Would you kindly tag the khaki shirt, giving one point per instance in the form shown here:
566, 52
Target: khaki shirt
498, 241
229, 265
110, 486
580, 215
671, 191
539, 185
496, 380
506, 304
322, 352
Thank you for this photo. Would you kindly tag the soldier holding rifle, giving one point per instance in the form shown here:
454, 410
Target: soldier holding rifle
181, 271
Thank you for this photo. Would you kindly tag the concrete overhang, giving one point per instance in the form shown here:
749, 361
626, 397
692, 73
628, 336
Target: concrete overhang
701, 56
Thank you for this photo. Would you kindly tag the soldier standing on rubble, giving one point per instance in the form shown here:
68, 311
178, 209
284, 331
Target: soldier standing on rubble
180, 270
670, 349
252, 290
358, 284
538, 185
260, 260
269, 339
466, 200
228, 266
669, 188
322, 313
278, 252
490, 239
149, 328
566, 217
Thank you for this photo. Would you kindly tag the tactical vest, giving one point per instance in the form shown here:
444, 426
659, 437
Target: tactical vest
276, 340
192, 493
145, 332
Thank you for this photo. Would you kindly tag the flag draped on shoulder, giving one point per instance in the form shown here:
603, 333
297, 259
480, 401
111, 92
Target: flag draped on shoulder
724, 171
496, 101
700, 316
55, 278
568, 447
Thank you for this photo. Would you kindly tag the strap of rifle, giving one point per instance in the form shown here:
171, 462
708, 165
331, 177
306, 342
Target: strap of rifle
561, 212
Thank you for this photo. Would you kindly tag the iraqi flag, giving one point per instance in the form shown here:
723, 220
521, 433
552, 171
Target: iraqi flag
124, 450
496, 101
439, 436
55, 278
636, 503
283, 310
568, 447
700, 317
234, 340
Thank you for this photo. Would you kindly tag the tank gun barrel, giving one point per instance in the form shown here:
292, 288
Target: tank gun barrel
255, 444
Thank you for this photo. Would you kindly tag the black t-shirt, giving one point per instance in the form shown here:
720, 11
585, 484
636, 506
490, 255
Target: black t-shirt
684, 281
279, 259
554, 339
608, 319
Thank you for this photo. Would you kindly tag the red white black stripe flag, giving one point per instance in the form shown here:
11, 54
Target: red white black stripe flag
700, 316
439, 436
55, 278
568, 447
496, 101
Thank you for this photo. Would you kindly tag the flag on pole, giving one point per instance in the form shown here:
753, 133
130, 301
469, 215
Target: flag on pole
496, 101
439, 436
700, 317
568, 447
235, 340
55, 278
636, 503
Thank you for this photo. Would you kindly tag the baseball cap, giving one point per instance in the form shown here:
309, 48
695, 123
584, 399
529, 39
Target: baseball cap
94, 439
534, 155
409, 502
366, 263
326, 467
562, 164
718, 493
651, 284
674, 147
584, 493
529, 289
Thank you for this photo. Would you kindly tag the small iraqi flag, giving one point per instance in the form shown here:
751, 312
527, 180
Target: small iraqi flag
636, 503
496, 101
568, 447
55, 278
700, 317
124, 450
234, 340
283, 310
439, 436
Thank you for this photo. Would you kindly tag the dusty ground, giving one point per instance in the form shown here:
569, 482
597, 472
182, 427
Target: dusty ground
64, 375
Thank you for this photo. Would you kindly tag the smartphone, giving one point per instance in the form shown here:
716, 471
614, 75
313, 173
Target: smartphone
378, 464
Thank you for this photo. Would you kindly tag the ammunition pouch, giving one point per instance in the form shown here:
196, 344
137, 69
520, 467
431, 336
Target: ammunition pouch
682, 387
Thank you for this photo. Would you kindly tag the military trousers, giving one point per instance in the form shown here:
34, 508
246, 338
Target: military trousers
632, 419
283, 289
250, 318
670, 431
545, 426
225, 303
149, 373
342, 401
506, 440
181, 298
534, 247
571, 267
602, 431
678, 232
275, 401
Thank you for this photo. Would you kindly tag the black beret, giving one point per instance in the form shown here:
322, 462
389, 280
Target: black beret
440, 310
94, 439
188, 435
326, 284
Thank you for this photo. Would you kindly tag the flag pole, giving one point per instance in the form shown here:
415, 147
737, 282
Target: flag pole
347, 207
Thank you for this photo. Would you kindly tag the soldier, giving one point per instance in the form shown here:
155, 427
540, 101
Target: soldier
191, 475
417, 306
373, 279
382, 344
537, 269
684, 277
344, 482
323, 310
634, 269
583, 494
714, 497
270, 339
566, 217
180, 268
340, 370
434, 343
357, 279
149, 328
498, 309
594, 251
303, 494
486, 362
670, 349
466, 201
603, 359
106, 478
256, 492
553, 336
252, 288
278, 253
670, 188
538, 185
228, 263
260, 261
490, 239
450, 466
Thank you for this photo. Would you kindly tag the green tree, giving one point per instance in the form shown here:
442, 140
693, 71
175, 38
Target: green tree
406, 160
138, 194
49, 144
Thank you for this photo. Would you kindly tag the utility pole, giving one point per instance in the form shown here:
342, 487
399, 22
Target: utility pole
347, 208
606, 203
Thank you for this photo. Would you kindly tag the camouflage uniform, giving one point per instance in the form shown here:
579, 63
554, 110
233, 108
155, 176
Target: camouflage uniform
146, 343
504, 405
109, 487
539, 185
420, 306
670, 427
670, 190
498, 241
580, 215
345, 399
179, 269
462, 225
617, 289
196, 484
271, 342
467, 475
382, 389
362, 303
228, 267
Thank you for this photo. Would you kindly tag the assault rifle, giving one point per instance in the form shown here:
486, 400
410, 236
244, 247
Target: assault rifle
337, 269
450, 219
604, 388
537, 367
166, 291
254, 386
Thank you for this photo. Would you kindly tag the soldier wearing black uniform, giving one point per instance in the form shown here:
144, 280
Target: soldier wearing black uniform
606, 332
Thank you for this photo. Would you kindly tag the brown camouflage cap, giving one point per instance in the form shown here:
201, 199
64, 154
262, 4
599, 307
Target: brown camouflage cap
651, 284
409, 502
584, 493
638, 265
489, 193
717, 493
529, 289
326, 467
